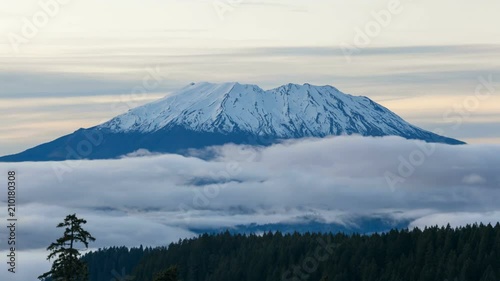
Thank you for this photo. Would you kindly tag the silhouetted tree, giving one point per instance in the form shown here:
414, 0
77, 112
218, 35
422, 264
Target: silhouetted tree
67, 265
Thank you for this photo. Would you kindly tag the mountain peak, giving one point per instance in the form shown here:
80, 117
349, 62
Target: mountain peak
288, 111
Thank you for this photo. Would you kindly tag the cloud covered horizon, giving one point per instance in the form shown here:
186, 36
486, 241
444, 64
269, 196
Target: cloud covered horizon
156, 199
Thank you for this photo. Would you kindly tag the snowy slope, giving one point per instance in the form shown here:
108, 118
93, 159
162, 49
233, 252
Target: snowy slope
205, 114
289, 111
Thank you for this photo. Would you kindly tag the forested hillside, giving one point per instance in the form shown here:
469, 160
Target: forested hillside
467, 253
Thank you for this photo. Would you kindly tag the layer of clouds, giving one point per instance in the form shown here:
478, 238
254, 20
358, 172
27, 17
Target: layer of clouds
107, 71
156, 199
339, 175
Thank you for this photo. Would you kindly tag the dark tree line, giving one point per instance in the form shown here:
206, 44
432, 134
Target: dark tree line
115, 263
445, 253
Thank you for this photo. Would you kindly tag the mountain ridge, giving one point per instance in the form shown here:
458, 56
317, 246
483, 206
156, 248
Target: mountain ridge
205, 114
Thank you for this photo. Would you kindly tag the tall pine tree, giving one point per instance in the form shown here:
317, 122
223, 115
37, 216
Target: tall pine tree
67, 265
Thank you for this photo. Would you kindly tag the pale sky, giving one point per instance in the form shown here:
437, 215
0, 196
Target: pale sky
72, 65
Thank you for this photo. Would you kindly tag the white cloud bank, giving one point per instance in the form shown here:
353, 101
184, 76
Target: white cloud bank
157, 199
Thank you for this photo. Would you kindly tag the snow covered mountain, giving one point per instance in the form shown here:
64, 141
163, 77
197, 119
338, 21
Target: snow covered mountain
289, 111
205, 114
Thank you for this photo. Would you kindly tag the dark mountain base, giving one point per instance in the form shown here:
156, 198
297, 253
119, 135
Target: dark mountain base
103, 144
